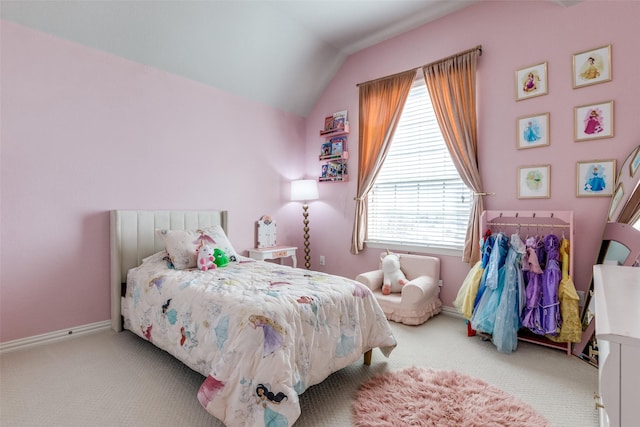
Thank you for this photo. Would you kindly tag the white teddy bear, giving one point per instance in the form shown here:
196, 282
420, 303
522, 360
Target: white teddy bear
394, 279
206, 261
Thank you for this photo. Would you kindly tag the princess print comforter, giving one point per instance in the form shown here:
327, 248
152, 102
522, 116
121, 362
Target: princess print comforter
261, 333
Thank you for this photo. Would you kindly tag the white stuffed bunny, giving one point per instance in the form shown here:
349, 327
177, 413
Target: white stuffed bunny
394, 278
205, 257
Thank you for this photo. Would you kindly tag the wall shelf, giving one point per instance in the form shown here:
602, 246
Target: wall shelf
333, 152
335, 132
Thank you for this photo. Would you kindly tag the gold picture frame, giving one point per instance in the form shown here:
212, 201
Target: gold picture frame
595, 178
531, 81
592, 66
533, 182
532, 131
593, 121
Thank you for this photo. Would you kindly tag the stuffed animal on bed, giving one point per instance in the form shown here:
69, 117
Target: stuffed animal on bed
205, 257
220, 258
393, 278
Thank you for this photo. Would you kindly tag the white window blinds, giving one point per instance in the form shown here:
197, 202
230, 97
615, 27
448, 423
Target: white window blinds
418, 198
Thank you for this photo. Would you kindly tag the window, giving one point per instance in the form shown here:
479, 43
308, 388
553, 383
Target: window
418, 198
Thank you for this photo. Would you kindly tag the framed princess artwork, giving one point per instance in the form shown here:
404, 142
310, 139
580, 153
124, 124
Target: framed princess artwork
592, 66
532, 131
531, 81
533, 182
595, 178
593, 121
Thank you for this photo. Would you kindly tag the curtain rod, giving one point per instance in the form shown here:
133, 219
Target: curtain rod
538, 225
478, 48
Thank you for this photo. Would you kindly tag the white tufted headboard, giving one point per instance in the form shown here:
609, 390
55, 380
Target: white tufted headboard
134, 237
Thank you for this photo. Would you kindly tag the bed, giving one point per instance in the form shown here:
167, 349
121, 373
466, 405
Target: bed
260, 333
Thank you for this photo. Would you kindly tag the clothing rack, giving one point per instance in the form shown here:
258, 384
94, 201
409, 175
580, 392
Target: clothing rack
514, 221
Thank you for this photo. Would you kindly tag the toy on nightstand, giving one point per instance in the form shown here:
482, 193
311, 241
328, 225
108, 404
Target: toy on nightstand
394, 279
206, 257
266, 230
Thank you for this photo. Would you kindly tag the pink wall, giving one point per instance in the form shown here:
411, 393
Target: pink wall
514, 34
84, 132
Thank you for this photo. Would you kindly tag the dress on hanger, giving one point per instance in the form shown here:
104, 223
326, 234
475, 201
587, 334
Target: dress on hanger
486, 257
550, 307
533, 290
571, 329
483, 316
507, 322
465, 300
468, 291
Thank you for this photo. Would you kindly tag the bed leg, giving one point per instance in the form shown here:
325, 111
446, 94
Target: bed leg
367, 357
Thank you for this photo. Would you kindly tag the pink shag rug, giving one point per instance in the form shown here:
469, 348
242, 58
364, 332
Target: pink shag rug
427, 397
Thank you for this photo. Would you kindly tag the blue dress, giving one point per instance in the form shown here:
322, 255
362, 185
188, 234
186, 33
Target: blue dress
507, 322
596, 183
484, 314
487, 247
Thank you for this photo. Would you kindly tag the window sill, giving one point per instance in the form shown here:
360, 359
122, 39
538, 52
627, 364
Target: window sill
414, 248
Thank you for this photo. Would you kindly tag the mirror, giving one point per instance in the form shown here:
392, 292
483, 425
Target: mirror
620, 243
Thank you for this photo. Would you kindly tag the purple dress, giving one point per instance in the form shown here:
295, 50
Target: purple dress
533, 291
551, 320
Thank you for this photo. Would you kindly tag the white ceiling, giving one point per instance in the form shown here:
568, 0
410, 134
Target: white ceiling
281, 53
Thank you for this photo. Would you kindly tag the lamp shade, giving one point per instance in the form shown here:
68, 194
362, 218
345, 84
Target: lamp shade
304, 189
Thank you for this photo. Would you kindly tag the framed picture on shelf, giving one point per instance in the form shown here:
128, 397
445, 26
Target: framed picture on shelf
340, 115
328, 123
531, 81
337, 145
592, 66
593, 121
325, 170
325, 149
533, 182
595, 178
532, 131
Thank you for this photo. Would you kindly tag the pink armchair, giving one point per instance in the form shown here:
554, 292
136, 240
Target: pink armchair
420, 297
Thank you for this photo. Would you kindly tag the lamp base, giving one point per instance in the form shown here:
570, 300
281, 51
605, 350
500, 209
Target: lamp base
307, 257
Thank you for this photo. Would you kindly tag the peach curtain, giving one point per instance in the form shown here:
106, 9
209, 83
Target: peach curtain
452, 87
381, 104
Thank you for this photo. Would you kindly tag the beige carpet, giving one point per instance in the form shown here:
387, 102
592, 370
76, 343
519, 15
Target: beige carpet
110, 379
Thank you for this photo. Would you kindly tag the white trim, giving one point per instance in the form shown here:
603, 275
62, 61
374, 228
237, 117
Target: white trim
50, 337
451, 311
431, 250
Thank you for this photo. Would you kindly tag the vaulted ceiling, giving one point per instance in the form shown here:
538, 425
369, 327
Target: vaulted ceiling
281, 53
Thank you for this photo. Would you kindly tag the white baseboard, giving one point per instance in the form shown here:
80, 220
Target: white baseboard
451, 311
54, 336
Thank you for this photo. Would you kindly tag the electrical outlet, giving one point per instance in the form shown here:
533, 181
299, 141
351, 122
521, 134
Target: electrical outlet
323, 261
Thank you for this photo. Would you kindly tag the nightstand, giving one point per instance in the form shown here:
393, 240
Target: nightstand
275, 252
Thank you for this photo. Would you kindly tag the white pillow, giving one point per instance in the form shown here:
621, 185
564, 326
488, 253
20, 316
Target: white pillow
182, 245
